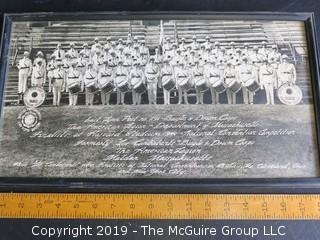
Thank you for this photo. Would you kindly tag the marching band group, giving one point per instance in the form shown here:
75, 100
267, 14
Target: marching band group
123, 66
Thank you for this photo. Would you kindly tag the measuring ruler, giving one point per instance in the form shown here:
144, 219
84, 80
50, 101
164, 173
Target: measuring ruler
159, 206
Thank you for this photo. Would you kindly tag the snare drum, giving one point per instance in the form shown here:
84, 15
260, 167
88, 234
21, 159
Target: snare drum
107, 87
140, 87
92, 87
201, 84
185, 84
252, 85
124, 86
217, 85
233, 85
168, 83
74, 88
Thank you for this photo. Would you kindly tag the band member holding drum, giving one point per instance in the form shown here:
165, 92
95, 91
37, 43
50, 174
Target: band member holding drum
286, 72
122, 82
198, 78
184, 82
106, 82
167, 80
246, 72
90, 83
38, 76
215, 81
58, 82
268, 80
137, 80
25, 70
152, 72
50, 68
74, 84
229, 78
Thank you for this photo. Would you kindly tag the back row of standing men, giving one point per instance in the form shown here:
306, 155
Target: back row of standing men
127, 66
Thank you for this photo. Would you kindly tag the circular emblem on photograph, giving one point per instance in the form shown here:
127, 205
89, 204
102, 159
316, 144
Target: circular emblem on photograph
34, 97
29, 119
290, 94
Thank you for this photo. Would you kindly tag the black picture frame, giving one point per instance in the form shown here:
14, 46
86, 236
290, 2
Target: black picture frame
168, 185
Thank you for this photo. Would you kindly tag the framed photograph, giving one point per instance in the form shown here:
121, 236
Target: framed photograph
159, 96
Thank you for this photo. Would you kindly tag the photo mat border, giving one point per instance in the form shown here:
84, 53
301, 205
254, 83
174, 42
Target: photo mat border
167, 185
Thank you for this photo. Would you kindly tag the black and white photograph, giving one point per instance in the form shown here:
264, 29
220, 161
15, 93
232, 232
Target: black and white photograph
158, 98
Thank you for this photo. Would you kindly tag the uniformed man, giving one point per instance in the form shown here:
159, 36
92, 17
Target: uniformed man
136, 77
246, 72
136, 42
120, 45
232, 49
286, 72
96, 46
128, 48
264, 51
255, 56
66, 64
105, 76
158, 60
207, 44
167, 47
144, 54
222, 58
90, 78
197, 75
25, 70
230, 75
107, 43
182, 74
58, 83
245, 51
194, 44
58, 52
121, 75
73, 78
40, 57
268, 80
182, 46
73, 53
86, 52
152, 73
213, 74
38, 76
274, 57
82, 64
50, 68
97, 60
216, 50
166, 73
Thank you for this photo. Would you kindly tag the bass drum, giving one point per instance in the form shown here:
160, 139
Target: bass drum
252, 85
168, 83
201, 84
233, 85
289, 94
34, 97
74, 88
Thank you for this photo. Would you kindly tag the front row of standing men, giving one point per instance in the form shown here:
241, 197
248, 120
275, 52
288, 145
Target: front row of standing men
140, 78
